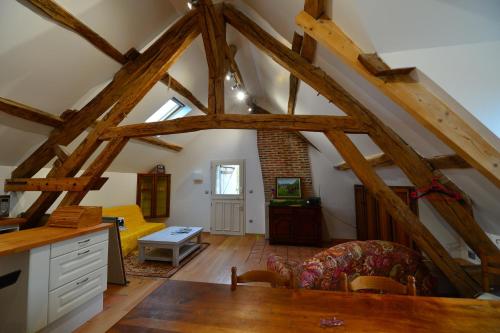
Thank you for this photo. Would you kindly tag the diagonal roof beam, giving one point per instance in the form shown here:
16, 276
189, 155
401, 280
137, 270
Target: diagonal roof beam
306, 46
294, 82
81, 120
413, 97
437, 162
183, 91
65, 19
155, 63
29, 113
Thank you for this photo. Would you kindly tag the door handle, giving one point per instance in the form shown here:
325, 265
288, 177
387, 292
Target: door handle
84, 241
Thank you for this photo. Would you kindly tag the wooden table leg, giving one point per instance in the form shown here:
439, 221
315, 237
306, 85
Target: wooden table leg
175, 256
141, 253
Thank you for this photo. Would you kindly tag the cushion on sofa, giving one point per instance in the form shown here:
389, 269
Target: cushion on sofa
135, 225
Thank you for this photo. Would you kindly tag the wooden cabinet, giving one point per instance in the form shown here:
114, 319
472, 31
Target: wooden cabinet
153, 194
374, 222
295, 225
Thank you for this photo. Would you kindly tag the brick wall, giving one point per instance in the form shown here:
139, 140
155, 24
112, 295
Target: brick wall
284, 154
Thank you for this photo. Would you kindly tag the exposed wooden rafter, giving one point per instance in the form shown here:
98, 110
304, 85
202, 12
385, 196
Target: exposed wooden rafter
95, 170
417, 170
50, 184
183, 91
413, 97
236, 121
29, 113
213, 32
155, 62
294, 82
67, 20
84, 118
378, 67
438, 162
172, 83
26, 112
403, 214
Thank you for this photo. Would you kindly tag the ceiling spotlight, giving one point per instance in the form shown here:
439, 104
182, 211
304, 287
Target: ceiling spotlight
234, 87
228, 77
250, 109
192, 3
241, 95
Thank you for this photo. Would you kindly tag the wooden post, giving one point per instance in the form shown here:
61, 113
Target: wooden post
403, 214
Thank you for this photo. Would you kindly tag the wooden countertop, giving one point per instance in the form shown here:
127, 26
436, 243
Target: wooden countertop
181, 306
15, 242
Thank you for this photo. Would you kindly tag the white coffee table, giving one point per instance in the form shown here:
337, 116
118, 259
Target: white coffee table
161, 241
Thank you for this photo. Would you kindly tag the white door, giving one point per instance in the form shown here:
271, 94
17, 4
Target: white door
228, 197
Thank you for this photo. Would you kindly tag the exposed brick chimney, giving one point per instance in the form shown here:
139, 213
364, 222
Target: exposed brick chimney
284, 154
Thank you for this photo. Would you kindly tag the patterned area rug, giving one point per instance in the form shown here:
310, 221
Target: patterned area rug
163, 269
262, 249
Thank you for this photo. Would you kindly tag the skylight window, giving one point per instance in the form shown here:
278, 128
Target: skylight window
173, 109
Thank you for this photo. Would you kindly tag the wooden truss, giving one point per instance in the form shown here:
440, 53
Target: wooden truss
142, 71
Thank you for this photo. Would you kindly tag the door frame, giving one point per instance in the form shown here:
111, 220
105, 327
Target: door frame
242, 196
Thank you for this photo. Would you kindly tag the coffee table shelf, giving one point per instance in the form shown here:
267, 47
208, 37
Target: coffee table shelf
169, 244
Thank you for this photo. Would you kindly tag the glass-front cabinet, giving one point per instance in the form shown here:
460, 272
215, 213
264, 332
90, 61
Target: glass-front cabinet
153, 194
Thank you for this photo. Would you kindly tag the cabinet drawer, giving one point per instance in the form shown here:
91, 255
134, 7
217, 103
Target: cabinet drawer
70, 296
77, 243
71, 266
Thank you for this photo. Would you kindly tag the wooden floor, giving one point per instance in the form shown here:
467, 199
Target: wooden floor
212, 265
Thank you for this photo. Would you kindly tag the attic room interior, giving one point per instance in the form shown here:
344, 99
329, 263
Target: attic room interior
249, 166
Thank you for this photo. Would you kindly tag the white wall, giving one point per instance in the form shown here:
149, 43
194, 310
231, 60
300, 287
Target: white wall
190, 203
120, 189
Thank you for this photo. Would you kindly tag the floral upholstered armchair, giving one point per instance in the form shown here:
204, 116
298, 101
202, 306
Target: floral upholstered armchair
374, 257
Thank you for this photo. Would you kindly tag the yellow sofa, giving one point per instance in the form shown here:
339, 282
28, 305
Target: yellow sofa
135, 224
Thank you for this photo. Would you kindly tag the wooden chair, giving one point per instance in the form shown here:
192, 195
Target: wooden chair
487, 267
381, 283
273, 278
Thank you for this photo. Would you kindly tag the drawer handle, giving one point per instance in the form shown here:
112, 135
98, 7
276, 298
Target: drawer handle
83, 281
80, 253
84, 241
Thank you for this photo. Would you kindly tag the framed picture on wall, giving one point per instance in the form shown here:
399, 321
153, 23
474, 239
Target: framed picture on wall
288, 188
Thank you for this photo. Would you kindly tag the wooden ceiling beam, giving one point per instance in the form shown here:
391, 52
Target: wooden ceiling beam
235, 121
403, 214
170, 82
65, 19
95, 171
49, 184
437, 162
160, 143
413, 97
84, 118
155, 62
213, 32
29, 113
294, 81
417, 170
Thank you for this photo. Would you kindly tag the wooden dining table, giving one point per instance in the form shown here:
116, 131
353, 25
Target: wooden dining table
181, 306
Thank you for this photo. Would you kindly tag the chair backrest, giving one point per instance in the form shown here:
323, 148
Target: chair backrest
381, 283
489, 265
273, 278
